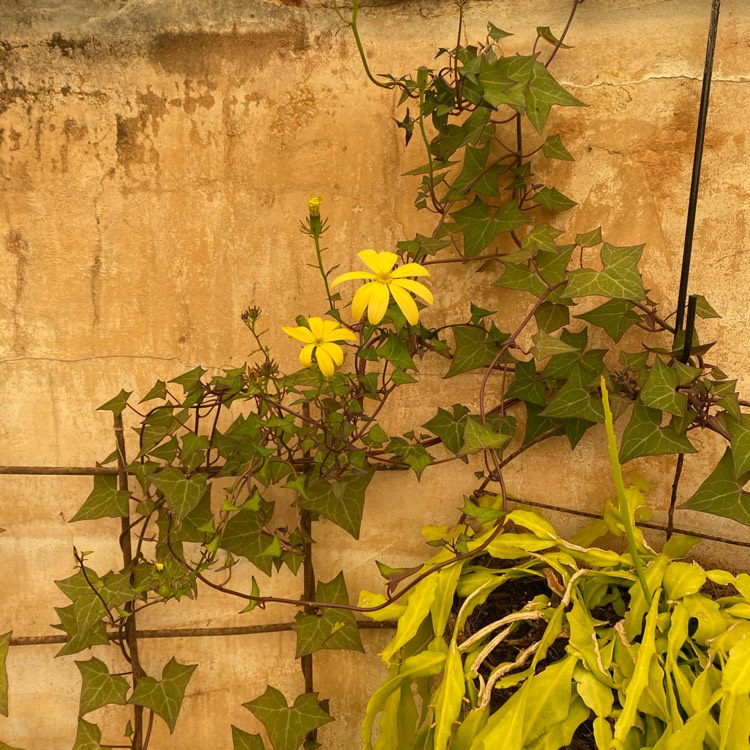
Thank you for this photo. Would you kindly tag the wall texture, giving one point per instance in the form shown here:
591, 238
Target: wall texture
155, 159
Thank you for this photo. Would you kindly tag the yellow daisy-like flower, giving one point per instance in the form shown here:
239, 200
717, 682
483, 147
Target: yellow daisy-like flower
319, 337
383, 283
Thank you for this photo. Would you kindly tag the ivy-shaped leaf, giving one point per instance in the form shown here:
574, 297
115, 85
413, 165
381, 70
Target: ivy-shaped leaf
333, 628
99, 687
740, 431
80, 638
244, 536
553, 200
542, 93
340, 501
190, 379
164, 697
722, 493
182, 493
547, 346
615, 316
395, 351
158, 391
546, 33
105, 501
526, 384
287, 727
449, 427
413, 454
644, 437
479, 437
590, 239
554, 149
117, 404
619, 279
659, 391
574, 399
474, 349
4, 646
495, 33
245, 741
480, 228
703, 309
521, 277
88, 736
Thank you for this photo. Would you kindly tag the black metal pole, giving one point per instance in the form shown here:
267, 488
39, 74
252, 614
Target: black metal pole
697, 159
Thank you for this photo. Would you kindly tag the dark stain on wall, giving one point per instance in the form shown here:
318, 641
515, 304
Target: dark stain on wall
197, 54
66, 46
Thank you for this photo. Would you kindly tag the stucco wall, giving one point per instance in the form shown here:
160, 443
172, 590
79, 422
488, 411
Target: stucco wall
155, 159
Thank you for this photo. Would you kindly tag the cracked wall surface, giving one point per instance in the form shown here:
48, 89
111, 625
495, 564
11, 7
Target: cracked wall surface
155, 160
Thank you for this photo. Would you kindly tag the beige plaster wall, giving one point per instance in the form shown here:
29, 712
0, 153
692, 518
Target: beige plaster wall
155, 158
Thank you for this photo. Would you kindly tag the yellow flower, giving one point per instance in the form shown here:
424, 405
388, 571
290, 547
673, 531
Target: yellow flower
384, 283
319, 337
313, 205
159, 567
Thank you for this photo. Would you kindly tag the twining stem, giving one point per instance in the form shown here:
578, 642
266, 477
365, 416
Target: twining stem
627, 519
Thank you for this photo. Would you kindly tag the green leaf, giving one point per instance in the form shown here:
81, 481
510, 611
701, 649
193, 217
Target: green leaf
551, 317
740, 431
526, 384
590, 239
287, 727
644, 437
244, 536
620, 277
615, 316
480, 228
521, 277
574, 400
395, 351
164, 696
473, 350
449, 427
244, 741
546, 33
703, 309
659, 391
99, 687
413, 454
340, 501
3, 746
4, 646
547, 346
189, 380
181, 492
554, 149
117, 404
158, 391
88, 736
553, 200
332, 628
542, 93
105, 501
478, 437
722, 493
495, 33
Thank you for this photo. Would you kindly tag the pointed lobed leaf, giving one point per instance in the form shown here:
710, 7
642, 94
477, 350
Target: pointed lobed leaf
105, 501
181, 492
722, 493
480, 228
287, 726
553, 200
479, 437
620, 277
521, 277
99, 687
117, 404
474, 349
449, 427
615, 316
542, 93
88, 736
554, 149
644, 437
340, 501
659, 391
164, 696
575, 400
740, 431
242, 740
244, 536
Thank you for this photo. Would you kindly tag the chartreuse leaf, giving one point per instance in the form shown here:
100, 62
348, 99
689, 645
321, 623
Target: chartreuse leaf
445, 589
4, 646
722, 493
105, 501
397, 725
287, 726
595, 694
554, 149
423, 664
620, 277
548, 701
561, 733
542, 93
117, 404
615, 316
340, 501
735, 676
4, 746
449, 697
659, 390
242, 740
181, 492
480, 228
449, 427
334, 628
88, 736
99, 687
164, 697
640, 678
644, 437
682, 579
418, 607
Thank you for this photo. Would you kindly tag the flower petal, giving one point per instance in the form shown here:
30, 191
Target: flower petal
325, 362
340, 334
386, 261
317, 327
335, 352
300, 333
370, 259
305, 356
378, 302
410, 269
351, 275
405, 302
361, 299
415, 288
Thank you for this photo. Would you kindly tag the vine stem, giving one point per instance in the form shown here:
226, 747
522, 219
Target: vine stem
627, 520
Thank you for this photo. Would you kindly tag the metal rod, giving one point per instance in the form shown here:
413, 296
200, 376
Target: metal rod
697, 159
689, 328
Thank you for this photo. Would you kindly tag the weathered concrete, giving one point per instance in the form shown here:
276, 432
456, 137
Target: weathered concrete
155, 159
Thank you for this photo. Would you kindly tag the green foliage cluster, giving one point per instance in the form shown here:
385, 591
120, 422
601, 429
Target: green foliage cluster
214, 452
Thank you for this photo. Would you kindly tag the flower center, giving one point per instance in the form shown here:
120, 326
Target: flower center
318, 342
384, 278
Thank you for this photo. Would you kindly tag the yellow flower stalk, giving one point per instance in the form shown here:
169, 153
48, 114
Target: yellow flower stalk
385, 282
319, 337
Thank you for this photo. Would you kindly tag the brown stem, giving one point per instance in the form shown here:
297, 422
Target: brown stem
673, 498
